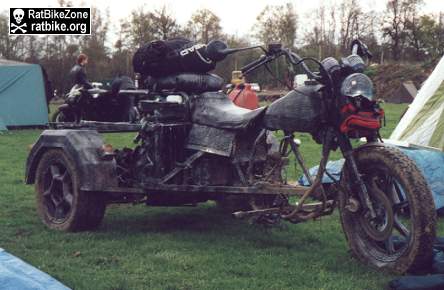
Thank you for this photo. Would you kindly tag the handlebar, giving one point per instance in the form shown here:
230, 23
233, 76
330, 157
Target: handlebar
292, 57
217, 49
296, 59
255, 64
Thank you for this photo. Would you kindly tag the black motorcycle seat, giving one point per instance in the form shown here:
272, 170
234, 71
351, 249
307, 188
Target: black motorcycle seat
215, 109
186, 82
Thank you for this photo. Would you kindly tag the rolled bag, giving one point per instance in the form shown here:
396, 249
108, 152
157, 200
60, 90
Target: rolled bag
162, 58
186, 82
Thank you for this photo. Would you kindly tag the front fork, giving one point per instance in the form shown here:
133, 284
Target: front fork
357, 184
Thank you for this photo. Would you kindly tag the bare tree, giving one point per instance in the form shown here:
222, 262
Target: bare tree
350, 16
322, 37
138, 29
164, 24
277, 23
95, 45
397, 14
204, 26
10, 46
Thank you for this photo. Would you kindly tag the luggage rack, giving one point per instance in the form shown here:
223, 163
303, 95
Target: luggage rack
101, 127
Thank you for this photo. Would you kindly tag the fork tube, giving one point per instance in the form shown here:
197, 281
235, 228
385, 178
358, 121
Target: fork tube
356, 180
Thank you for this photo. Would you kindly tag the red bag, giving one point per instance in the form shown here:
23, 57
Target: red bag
358, 123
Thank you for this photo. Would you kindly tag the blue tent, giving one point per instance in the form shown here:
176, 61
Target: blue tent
23, 94
16, 274
430, 162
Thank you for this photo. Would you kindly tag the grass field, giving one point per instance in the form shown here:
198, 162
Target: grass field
139, 247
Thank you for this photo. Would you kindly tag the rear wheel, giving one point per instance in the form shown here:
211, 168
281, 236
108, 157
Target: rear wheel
64, 116
60, 202
400, 238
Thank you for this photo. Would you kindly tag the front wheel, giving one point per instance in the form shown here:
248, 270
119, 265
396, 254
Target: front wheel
400, 238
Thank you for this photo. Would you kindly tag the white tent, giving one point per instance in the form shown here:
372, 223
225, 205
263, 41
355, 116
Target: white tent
423, 123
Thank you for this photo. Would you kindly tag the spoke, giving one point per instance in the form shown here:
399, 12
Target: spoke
51, 186
55, 200
402, 229
385, 182
59, 212
374, 184
47, 193
391, 190
68, 198
399, 192
389, 245
65, 177
67, 189
55, 172
398, 206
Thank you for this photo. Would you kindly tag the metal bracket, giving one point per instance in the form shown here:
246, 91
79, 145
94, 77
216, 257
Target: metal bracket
182, 166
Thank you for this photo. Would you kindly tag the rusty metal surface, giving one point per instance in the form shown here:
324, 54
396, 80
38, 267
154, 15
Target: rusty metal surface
259, 189
298, 111
211, 140
215, 109
102, 127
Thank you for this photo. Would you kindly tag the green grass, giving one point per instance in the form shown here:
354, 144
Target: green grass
139, 247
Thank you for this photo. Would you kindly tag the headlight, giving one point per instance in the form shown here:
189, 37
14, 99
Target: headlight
356, 85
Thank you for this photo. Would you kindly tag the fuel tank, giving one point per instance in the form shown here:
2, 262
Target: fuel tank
298, 111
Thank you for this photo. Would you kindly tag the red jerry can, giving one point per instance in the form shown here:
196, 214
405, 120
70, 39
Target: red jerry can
243, 96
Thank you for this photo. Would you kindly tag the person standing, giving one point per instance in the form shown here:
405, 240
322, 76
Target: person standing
78, 72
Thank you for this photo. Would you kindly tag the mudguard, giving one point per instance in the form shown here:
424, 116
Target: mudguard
370, 144
84, 147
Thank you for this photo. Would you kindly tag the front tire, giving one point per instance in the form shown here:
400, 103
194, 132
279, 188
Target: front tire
61, 204
400, 239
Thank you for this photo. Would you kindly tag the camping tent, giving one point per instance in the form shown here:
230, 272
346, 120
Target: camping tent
23, 94
423, 123
405, 93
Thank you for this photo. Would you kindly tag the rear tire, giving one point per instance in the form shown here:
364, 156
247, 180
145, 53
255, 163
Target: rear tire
62, 116
398, 191
61, 204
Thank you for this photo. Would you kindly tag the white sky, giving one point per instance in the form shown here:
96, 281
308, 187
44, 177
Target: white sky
237, 16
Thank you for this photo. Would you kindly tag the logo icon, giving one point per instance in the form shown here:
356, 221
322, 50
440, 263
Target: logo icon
18, 16
45, 21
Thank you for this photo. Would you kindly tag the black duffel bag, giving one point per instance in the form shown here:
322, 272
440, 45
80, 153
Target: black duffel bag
161, 58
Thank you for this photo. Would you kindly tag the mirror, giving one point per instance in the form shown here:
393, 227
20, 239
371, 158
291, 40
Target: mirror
360, 48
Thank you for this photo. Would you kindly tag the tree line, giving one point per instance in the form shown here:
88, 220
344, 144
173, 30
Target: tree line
400, 33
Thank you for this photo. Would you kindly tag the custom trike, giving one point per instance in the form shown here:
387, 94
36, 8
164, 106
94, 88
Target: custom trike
193, 145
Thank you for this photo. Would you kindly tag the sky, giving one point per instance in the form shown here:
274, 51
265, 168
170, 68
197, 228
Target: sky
237, 16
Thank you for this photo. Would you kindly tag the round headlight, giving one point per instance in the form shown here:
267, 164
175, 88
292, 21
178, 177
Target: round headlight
356, 85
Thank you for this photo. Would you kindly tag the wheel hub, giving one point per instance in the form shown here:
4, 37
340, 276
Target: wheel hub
58, 193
